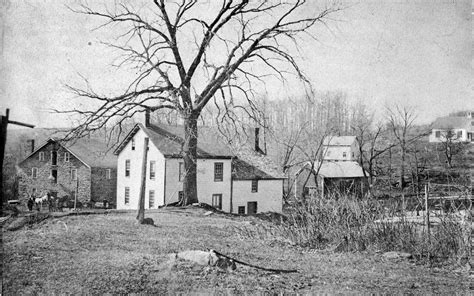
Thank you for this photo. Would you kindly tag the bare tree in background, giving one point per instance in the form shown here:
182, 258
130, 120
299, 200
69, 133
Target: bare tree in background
187, 53
450, 145
400, 123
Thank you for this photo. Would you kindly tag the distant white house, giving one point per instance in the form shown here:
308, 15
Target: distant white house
456, 128
243, 184
340, 148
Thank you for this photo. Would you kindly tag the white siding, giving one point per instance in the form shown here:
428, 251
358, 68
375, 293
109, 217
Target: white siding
442, 138
134, 180
268, 198
205, 181
337, 152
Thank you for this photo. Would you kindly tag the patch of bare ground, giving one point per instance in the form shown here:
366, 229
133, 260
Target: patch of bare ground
98, 254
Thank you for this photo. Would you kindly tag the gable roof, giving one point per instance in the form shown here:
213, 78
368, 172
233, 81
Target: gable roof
339, 140
169, 140
90, 151
247, 164
454, 122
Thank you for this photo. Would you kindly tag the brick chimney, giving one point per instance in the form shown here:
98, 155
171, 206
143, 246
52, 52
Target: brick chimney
257, 141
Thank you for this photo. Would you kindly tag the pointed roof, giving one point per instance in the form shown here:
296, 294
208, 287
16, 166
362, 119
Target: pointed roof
248, 164
92, 152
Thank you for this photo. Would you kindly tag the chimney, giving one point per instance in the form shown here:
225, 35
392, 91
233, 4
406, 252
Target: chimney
147, 117
257, 139
32, 141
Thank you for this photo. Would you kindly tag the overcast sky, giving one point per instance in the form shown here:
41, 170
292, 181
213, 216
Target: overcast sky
417, 53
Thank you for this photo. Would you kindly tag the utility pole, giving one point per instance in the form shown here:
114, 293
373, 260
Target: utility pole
4, 121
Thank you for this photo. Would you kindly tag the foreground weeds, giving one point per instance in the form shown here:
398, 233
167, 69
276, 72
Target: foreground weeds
346, 224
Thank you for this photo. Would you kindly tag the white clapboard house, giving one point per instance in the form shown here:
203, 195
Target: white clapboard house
244, 184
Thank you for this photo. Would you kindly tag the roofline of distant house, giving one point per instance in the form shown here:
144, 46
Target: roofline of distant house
56, 141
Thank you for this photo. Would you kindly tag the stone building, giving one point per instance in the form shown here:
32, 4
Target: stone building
82, 168
241, 182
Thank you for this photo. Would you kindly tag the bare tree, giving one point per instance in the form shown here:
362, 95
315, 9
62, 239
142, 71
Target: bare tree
400, 122
236, 44
450, 145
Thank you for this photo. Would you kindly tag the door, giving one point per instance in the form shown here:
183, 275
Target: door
252, 207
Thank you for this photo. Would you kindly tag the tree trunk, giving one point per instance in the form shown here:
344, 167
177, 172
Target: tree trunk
141, 200
190, 160
402, 178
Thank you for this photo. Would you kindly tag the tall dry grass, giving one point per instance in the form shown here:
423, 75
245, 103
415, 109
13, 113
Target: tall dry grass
343, 223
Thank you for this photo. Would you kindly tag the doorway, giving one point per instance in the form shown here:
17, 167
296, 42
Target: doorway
252, 207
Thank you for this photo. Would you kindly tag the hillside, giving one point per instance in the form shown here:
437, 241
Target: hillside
99, 254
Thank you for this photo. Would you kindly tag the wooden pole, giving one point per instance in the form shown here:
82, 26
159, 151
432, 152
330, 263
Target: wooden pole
141, 200
4, 120
77, 191
427, 211
3, 140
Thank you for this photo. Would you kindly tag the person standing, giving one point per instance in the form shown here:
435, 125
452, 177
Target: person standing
30, 202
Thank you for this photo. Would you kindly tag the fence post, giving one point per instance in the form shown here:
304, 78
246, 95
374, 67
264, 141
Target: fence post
427, 211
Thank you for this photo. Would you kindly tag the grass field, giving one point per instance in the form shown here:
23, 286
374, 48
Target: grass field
111, 253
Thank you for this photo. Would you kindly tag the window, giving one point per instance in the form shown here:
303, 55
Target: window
133, 143
352, 154
127, 195
66, 157
108, 174
181, 172
152, 169
127, 168
180, 195
438, 134
344, 154
241, 210
217, 201
472, 123
41, 156
34, 173
54, 157
151, 198
33, 192
73, 174
54, 175
459, 134
218, 172
254, 185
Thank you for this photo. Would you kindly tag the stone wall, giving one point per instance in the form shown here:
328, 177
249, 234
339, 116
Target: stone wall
104, 188
65, 185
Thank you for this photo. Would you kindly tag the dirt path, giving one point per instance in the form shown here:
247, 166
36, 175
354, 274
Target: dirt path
110, 253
